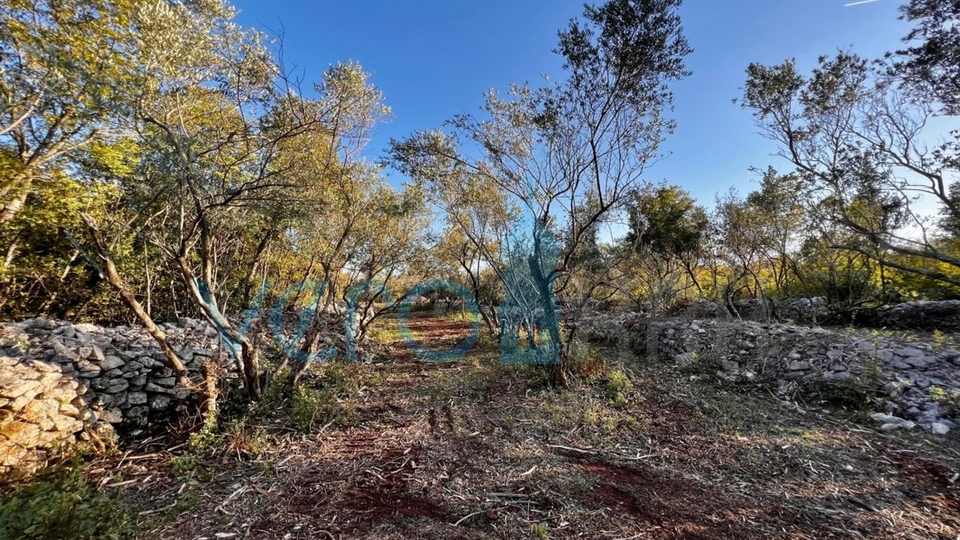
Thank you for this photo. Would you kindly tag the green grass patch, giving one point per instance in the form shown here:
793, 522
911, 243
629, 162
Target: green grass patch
60, 504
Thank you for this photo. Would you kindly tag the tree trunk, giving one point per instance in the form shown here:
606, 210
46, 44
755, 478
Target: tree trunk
12, 207
113, 277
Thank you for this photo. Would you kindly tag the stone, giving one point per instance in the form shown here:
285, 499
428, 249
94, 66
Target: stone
148, 362
41, 412
797, 365
22, 388
840, 376
65, 424
939, 428
685, 359
159, 402
49, 380
88, 369
136, 398
68, 409
916, 361
138, 415
116, 386
111, 416
20, 434
888, 418
111, 362
22, 401
151, 387
44, 367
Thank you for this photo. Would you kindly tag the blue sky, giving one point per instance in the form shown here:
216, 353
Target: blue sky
436, 58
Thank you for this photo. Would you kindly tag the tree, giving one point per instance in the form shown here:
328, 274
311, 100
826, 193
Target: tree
929, 67
739, 249
949, 221
778, 216
857, 140
67, 71
666, 237
570, 152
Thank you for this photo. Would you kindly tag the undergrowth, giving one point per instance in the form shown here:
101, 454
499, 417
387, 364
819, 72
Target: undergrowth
59, 503
246, 429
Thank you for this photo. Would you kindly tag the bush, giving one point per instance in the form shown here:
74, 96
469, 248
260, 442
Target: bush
60, 504
950, 401
324, 399
617, 386
584, 361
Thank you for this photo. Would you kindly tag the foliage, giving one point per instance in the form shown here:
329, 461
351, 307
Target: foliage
617, 387
60, 504
950, 401
855, 136
930, 64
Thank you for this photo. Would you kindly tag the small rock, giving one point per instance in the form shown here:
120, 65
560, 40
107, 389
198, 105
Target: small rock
730, 366
797, 365
939, 428
111, 362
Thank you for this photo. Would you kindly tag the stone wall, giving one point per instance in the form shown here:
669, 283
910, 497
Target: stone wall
62, 382
910, 379
943, 315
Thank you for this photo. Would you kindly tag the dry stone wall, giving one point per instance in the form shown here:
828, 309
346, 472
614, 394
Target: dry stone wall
915, 383
61, 382
942, 315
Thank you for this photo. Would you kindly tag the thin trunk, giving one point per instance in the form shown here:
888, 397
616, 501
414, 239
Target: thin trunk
113, 277
12, 207
240, 347
11, 253
146, 271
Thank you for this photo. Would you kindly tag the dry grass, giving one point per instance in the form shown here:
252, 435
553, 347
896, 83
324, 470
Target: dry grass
474, 449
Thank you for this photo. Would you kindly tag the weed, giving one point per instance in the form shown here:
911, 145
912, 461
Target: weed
617, 387
487, 341
60, 504
541, 531
855, 394
949, 401
324, 399
584, 361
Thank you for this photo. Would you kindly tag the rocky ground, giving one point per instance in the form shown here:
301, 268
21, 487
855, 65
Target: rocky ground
637, 448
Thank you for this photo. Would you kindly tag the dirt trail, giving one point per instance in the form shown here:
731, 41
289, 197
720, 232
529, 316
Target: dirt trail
473, 449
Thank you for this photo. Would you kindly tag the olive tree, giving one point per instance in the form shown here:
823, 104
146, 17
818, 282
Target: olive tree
569, 152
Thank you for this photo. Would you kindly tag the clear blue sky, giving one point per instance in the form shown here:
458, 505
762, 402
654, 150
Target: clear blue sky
436, 58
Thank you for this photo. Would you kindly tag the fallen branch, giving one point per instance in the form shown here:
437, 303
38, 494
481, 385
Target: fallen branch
572, 449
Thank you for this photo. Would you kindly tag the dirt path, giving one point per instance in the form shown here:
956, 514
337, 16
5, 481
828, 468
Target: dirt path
473, 449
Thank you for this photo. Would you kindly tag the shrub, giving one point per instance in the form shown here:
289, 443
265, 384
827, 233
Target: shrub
60, 504
617, 386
